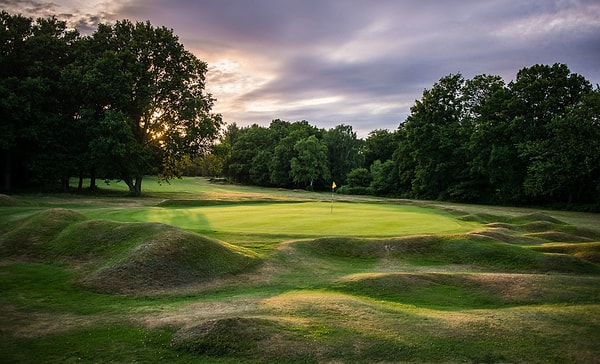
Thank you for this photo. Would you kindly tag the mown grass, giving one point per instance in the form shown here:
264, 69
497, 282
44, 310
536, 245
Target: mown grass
297, 220
195, 272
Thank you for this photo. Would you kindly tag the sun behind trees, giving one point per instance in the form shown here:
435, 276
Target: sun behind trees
125, 102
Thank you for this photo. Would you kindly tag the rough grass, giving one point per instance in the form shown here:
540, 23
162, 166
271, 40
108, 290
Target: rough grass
98, 279
472, 249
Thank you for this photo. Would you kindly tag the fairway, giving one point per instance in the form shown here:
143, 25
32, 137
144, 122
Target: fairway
301, 219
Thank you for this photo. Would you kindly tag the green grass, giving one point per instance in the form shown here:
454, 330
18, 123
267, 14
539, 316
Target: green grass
196, 272
299, 219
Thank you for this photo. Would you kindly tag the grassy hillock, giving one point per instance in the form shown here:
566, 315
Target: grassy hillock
478, 250
123, 257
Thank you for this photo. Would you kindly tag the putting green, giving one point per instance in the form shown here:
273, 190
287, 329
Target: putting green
301, 219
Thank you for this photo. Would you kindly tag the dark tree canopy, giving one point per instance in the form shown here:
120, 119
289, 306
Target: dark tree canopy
122, 103
158, 98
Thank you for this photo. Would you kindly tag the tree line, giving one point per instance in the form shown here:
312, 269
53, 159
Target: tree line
129, 101
533, 140
124, 102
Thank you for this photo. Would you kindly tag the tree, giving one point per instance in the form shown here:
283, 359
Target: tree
359, 177
385, 178
480, 113
284, 151
344, 151
248, 143
539, 94
566, 165
34, 111
379, 145
404, 161
153, 93
433, 131
311, 162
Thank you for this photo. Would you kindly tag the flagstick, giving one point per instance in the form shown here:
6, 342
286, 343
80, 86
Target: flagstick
331, 201
333, 186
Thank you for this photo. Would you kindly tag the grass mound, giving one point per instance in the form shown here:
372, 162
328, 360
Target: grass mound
558, 236
587, 251
474, 249
124, 257
169, 258
421, 289
237, 336
6, 200
29, 235
441, 290
479, 217
536, 217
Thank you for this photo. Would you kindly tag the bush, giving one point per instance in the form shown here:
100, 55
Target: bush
359, 177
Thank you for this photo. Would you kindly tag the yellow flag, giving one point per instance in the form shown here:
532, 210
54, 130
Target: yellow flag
333, 185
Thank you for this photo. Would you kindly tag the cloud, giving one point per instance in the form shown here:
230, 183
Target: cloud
82, 15
357, 62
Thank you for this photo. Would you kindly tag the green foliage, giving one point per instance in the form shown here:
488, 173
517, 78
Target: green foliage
311, 162
35, 108
343, 152
117, 344
359, 177
380, 144
385, 178
481, 140
124, 102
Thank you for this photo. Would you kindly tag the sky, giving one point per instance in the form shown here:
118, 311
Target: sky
361, 63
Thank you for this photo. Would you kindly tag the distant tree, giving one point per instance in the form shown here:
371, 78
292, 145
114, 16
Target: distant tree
566, 165
344, 151
280, 165
248, 143
404, 162
479, 109
153, 94
380, 145
384, 178
433, 131
311, 163
359, 177
539, 94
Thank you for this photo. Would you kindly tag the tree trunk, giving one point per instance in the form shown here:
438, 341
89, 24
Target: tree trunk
80, 184
65, 184
138, 185
92, 179
135, 187
6, 173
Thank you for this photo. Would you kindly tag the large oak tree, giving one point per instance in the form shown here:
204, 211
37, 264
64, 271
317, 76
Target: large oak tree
145, 93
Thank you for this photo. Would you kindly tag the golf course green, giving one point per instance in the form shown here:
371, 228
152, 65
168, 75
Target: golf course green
301, 219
